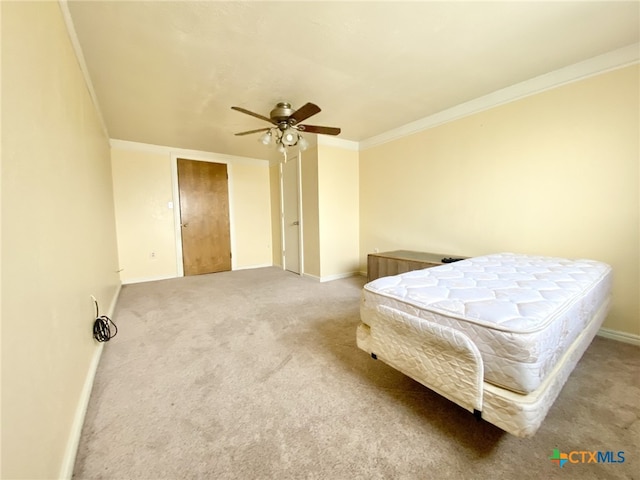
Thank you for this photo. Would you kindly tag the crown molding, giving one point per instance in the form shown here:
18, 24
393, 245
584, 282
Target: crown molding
594, 66
75, 43
183, 152
338, 142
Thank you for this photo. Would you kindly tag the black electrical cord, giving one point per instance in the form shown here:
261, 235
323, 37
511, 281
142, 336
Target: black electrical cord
102, 327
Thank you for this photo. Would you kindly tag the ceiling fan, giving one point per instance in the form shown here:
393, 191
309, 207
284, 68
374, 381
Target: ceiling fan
286, 125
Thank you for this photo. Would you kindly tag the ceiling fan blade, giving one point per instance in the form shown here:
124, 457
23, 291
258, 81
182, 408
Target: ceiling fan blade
257, 115
304, 112
318, 129
254, 131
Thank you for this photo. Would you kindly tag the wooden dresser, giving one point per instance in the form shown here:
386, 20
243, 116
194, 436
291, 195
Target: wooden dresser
384, 264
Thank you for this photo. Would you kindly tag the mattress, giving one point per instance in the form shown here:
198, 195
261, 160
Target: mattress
448, 362
522, 311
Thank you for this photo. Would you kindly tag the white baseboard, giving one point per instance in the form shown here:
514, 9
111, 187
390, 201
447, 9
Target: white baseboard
167, 277
330, 278
69, 460
338, 276
148, 279
315, 278
249, 267
78, 421
620, 336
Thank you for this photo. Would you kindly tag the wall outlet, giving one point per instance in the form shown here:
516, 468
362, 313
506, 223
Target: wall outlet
153, 255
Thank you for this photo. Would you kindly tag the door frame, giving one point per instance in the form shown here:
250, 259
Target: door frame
300, 215
200, 157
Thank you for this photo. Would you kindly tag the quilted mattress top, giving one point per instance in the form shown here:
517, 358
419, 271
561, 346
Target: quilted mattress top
506, 291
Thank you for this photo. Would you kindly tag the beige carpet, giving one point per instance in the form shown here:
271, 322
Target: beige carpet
255, 374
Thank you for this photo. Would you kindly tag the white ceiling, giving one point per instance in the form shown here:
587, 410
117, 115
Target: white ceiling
167, 73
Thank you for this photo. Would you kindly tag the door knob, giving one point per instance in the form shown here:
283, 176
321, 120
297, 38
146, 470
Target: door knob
296, 223
184, 225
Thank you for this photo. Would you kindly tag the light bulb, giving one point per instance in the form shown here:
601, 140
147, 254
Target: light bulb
289, 137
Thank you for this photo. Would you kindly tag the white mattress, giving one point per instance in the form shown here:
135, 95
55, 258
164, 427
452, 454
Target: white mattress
521, 311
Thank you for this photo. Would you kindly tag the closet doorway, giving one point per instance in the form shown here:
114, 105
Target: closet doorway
291, 214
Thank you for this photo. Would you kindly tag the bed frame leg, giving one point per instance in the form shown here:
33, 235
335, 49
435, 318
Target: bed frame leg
374, 356
477, 414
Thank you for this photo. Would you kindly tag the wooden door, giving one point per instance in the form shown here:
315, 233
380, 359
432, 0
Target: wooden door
204, 217
291, 216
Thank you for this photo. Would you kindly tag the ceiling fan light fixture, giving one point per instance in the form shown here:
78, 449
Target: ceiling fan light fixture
266, 138
286, 125
303, 144
290, 137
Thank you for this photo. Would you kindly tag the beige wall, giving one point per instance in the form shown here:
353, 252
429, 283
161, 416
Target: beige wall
144, 184
555, 174
58, 239
310, 213
142, 190
251, 215
276, 231
338, 211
